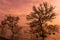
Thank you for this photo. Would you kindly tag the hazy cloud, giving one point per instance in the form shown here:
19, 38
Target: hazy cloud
22, 7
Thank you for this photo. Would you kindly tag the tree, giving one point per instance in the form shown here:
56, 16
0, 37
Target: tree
12, 23
40, 18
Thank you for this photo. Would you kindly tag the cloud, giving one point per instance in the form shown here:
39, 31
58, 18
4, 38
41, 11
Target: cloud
21, 7
18, 7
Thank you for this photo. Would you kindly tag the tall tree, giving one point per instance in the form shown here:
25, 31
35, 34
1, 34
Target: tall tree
40, 18
12, 23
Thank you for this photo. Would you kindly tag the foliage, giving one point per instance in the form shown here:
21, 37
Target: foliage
12, 23
39, 18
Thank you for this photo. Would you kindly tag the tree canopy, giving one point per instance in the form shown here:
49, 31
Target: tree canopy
39, 18
10, 23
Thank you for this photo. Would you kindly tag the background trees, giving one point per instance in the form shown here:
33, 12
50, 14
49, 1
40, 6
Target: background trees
39, 20
10, 23
39, 23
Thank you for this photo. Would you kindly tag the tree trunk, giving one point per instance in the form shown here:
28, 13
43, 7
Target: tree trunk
43, 38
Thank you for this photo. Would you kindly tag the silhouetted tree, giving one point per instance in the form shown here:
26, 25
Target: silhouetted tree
12, 23
39, 20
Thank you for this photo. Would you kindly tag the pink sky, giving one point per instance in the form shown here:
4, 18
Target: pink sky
24, 7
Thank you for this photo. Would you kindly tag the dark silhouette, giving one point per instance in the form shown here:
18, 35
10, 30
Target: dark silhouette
12, 23
2, 38
39, 20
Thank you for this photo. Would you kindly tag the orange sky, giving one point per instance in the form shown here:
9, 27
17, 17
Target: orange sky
24, 7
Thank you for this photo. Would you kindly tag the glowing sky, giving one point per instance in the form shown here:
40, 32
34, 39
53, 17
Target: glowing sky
24, 7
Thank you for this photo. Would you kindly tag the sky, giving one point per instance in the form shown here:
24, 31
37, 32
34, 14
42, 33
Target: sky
22, 8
